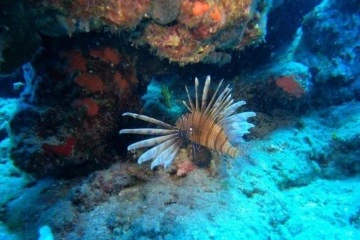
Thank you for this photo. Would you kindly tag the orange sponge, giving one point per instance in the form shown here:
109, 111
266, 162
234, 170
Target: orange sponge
215, 14
200, 8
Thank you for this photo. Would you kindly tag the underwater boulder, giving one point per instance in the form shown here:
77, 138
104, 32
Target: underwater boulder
68, 116
330, 48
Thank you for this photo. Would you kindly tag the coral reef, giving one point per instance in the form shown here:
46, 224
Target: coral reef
317, 68
69, 112
330, 48
278, 90
206, 27
164, 11
182, 31
89, 15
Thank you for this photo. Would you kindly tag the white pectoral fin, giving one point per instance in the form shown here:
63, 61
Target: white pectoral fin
156, 151
150, 142
167, 156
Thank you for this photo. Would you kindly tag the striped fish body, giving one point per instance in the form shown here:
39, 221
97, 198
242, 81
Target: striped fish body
202, 129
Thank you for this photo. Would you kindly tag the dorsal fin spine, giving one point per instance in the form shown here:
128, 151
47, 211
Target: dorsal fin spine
205, 92
196, 94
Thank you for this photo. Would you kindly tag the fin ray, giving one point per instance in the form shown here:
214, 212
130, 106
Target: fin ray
196, 93
166, 156
148, 119
205, 93
148, 131
150, 142
155, 151
189, 98
213, 97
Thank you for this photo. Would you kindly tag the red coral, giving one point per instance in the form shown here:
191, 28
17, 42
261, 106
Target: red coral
61, 149
107, 54
290, 85
77, 62
93, 83
90, 104
121, 81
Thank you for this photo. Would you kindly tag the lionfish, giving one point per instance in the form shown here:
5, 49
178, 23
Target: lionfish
214, 125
